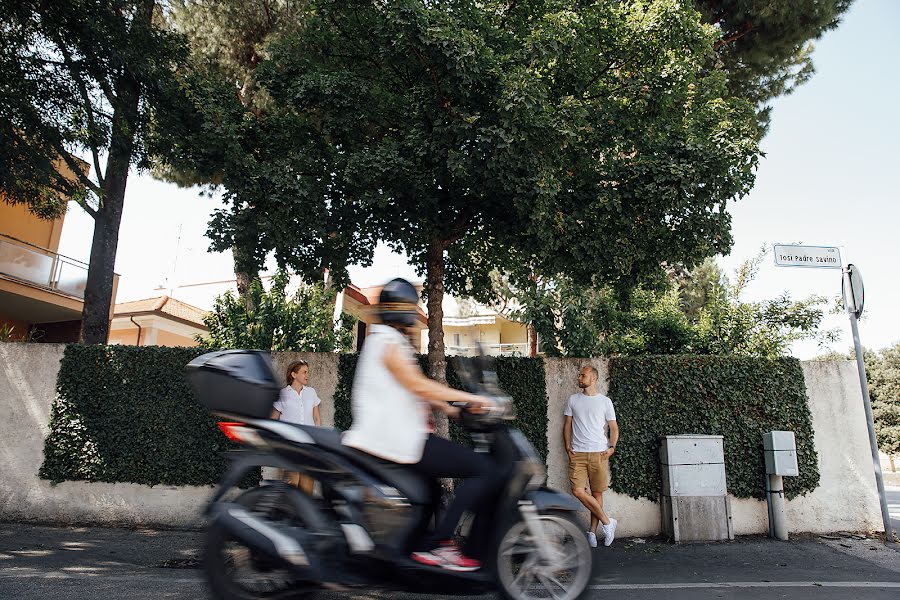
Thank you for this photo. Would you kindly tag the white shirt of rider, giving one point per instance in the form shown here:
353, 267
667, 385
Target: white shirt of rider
388, 420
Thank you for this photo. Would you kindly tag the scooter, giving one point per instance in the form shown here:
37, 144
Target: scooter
275, 541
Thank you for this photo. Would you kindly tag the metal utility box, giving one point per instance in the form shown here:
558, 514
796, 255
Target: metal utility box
695, 504
693, 465
780, 451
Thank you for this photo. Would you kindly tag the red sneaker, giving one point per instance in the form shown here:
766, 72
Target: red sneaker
453, 559
427, 558
447, 556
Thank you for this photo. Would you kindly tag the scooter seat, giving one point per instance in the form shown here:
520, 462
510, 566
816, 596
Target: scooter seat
418, 489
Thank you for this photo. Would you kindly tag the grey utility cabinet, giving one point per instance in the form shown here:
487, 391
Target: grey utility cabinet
695, 505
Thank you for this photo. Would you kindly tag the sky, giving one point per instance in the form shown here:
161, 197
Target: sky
832, 159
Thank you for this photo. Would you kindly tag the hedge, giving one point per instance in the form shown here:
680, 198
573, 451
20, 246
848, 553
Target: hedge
737, 397
127, 414
522, 378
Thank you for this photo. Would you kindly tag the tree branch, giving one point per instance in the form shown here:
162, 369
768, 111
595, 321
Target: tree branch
76, 169
88, 107
746, 28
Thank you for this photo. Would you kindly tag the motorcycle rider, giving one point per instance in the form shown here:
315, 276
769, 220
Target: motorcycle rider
389, 398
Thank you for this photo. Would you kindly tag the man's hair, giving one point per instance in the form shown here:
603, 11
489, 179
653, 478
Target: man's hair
593, 370
288, 375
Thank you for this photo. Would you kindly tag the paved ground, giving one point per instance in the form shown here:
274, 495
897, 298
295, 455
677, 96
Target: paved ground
50, 563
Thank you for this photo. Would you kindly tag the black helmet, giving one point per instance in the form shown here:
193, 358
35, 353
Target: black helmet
398, 303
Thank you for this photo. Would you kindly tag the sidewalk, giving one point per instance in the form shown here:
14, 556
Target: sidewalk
62, 563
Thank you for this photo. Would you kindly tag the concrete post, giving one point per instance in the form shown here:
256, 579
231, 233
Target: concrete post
775, 497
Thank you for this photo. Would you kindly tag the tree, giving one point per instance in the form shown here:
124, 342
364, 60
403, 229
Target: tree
232, 135
576, 320
80, 77
223, 134
885, 385
766, 47
696, 286
589, 140
277, 321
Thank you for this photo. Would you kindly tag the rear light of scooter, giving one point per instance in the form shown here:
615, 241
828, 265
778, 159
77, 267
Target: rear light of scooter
237, 432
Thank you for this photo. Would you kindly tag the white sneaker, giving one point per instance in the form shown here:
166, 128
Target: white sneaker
592, 539
609, 532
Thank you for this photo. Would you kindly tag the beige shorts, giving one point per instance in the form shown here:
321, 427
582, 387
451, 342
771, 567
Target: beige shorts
589, 470
298, 480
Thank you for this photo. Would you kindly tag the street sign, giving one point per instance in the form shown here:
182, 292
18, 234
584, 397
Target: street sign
813, 257
853, 290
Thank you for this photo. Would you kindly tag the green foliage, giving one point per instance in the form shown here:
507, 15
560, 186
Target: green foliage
692, 311
476, 130
885, 387
735, 397
766, 47
225, 132
127, 414
521, 378
278, 322
696, 286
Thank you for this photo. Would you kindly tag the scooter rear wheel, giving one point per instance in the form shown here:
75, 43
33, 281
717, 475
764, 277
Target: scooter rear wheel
236, 572
555, 565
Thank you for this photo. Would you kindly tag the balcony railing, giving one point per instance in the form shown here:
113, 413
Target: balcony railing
491, 349
35, 265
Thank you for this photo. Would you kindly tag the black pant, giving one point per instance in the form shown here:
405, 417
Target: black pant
443, 458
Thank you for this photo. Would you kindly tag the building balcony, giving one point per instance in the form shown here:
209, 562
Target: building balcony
42, 290
490, 349
41, 268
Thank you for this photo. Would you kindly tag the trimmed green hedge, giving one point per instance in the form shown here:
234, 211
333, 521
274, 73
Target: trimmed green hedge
521, 378
736, 397
127, 414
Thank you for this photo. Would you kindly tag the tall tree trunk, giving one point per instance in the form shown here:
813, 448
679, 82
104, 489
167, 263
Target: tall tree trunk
244, 273
532, 341
98, 290
434, 288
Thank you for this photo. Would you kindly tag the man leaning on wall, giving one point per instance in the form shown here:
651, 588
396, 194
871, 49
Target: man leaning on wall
590, 433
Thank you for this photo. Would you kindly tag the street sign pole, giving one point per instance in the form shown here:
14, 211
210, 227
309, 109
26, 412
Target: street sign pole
852, 286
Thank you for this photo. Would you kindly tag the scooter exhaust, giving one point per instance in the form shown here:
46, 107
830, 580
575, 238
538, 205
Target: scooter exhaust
261, 534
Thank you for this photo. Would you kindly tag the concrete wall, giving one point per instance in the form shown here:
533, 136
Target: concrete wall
27, 390
845, 500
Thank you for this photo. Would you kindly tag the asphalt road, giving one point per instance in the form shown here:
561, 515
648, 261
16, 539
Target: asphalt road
893, 498
49, 563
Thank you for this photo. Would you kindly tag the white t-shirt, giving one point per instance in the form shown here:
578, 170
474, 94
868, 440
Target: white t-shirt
297, 408
388, 420
589, 421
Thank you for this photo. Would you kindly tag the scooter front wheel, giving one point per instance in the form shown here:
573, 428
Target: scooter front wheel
546, 559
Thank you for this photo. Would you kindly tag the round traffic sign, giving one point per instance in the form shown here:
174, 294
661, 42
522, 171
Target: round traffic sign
853, 290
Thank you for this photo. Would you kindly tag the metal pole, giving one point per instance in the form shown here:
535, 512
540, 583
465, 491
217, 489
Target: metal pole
778, 522
870, 423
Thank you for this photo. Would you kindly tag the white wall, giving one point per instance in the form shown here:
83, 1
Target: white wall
27, 390
845, 500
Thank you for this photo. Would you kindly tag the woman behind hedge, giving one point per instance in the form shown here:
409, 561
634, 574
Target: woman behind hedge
298, 403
